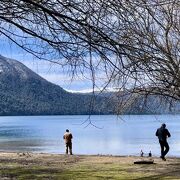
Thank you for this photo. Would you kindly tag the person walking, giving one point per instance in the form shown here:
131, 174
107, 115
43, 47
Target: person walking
162, 133
68, 141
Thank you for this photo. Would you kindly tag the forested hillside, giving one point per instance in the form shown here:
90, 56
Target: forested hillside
23, 92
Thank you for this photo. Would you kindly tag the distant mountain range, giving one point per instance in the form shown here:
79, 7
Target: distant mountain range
153, 104
23, 92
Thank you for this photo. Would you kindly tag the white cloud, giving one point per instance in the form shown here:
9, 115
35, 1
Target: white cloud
91, 90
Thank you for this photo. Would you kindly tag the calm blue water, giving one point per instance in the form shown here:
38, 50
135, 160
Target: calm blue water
123, 135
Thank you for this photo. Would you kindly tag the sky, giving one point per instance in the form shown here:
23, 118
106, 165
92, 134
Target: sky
50, 71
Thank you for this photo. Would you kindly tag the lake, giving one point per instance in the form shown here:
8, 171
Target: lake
108, 134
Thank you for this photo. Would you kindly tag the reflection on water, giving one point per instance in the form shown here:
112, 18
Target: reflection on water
126, 135
16, 131
19, 138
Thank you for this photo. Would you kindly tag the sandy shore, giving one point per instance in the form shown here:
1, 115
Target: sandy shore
56, 166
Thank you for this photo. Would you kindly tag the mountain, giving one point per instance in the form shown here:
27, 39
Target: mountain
23, 92
153, 104
133, 103
128, 103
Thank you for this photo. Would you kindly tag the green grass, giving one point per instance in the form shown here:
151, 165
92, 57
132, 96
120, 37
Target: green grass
86, 170
83, 171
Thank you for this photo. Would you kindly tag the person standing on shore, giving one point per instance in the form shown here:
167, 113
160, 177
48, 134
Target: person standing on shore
68, 141
162, 133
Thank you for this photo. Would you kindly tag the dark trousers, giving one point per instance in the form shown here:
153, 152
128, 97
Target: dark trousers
164, 145
69, 147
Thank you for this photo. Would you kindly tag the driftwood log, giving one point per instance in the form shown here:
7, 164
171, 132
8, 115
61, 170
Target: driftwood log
144, 162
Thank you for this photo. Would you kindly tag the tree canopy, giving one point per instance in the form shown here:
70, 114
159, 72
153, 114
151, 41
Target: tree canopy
136, 43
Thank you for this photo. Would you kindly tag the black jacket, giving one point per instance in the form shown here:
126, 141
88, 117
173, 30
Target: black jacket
162, 133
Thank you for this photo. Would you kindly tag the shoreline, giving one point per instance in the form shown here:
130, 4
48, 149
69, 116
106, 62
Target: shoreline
98, 155
27, 165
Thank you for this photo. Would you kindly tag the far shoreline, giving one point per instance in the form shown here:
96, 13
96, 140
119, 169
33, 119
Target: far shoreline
29, 115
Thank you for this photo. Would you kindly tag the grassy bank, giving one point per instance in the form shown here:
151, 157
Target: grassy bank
47, 166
